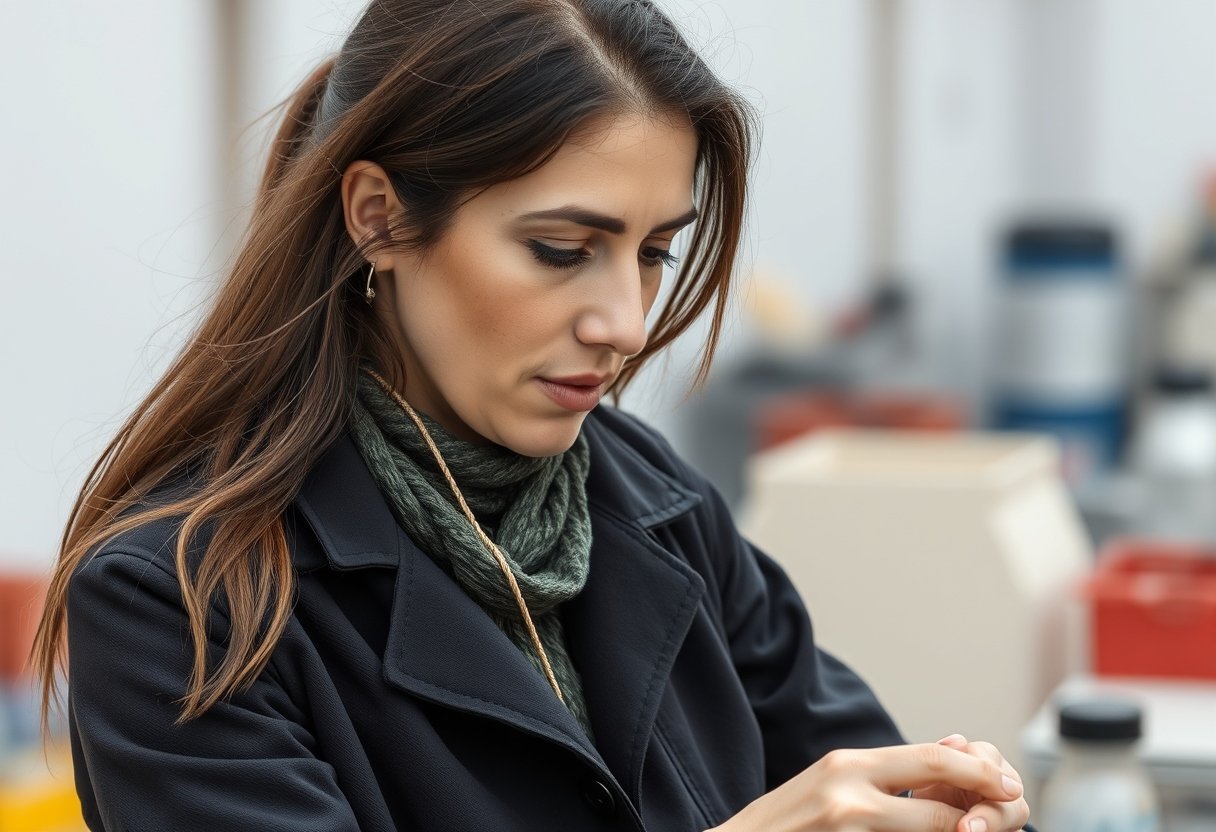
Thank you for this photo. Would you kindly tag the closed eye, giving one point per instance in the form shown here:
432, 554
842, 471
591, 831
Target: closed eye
569, 258
659, 256
558, 258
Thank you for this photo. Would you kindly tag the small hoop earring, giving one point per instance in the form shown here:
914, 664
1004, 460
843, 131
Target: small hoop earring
370, 293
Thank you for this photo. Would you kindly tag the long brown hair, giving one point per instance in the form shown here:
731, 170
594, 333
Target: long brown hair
449, 98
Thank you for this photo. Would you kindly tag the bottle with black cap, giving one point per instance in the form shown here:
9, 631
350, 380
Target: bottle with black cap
1173, 456
1177, 434
1100, 785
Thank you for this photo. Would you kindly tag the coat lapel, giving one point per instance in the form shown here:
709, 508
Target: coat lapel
441, 645
445, 648
628, 623
624, 629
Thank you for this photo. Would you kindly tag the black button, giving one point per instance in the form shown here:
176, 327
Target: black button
599, 798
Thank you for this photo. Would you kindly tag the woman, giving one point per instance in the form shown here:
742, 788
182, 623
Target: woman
370, 556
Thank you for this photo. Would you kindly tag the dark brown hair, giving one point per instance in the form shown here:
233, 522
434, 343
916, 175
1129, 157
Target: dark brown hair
449, 97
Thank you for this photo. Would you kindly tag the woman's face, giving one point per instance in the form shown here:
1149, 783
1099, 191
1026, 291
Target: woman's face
519, 318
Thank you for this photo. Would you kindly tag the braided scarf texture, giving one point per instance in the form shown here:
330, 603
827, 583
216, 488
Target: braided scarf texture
533, 508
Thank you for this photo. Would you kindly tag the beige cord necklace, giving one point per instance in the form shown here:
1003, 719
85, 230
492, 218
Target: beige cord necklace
485, 539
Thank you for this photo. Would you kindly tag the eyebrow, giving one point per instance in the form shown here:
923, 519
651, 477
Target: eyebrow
613, 225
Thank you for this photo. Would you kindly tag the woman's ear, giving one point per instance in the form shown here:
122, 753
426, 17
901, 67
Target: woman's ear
368, 200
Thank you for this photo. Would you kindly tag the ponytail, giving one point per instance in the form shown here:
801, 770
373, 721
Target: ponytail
301, 113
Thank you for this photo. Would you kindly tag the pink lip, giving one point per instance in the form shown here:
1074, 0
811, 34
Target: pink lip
584, 380
578, 393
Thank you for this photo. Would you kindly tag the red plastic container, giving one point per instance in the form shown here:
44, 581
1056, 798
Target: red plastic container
21, 600
789, 416
1153, 610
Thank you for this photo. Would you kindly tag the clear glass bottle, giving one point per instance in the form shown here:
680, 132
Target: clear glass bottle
1099, 785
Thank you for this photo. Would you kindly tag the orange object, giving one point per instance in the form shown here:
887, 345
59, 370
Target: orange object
38, 794
21, 599
787, 417
1153, 610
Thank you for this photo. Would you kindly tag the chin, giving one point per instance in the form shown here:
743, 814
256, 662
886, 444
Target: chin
543, 437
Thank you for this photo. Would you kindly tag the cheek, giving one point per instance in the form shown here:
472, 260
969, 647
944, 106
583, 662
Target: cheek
650, 293
501, 316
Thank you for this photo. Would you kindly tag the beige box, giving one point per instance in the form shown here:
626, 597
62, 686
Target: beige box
940, 567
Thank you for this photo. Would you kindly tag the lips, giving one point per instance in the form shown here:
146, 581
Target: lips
577, 393
584, 380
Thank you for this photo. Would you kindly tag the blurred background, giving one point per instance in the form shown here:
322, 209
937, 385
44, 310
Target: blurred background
967, 377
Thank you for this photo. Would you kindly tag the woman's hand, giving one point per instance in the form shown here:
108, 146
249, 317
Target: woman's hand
856, 790
982, 815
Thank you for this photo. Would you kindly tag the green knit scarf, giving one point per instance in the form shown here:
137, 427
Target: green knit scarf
533, 508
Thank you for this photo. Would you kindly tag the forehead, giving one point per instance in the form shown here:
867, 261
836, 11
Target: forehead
637, 168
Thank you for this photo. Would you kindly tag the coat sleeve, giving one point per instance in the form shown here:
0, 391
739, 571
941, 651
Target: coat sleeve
247, 763
806, 701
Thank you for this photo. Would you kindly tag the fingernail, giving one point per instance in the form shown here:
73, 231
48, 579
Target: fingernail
1012, 787
953, 739
977, 825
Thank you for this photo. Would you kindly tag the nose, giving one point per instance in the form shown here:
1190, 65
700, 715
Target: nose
614, 312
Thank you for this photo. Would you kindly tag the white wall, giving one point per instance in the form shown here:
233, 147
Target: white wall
961, 110
114, 219
1094, 106
803, 65
1155, 115
284, 40
109, 189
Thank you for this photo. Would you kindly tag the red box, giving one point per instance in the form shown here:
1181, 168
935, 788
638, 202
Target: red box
21, 600
1153, 610
791, 415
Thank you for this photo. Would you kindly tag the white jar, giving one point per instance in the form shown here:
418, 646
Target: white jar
1099, 785
1177, 435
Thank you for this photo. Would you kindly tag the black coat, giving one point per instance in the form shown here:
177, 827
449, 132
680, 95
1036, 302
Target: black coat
394, 702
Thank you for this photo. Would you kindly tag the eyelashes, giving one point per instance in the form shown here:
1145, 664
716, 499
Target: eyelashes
564, 258
660, 255
558, 258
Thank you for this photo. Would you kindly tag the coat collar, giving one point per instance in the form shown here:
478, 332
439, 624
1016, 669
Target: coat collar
624, 629
343, 506
345, 509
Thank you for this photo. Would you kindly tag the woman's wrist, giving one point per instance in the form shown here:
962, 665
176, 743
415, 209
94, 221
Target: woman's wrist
735, 823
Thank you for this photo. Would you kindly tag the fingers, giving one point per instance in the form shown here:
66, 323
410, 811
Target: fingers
904, 815
954, 741
928, 764
988, 816
995, 817
962, 787
985, 750
988, 751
